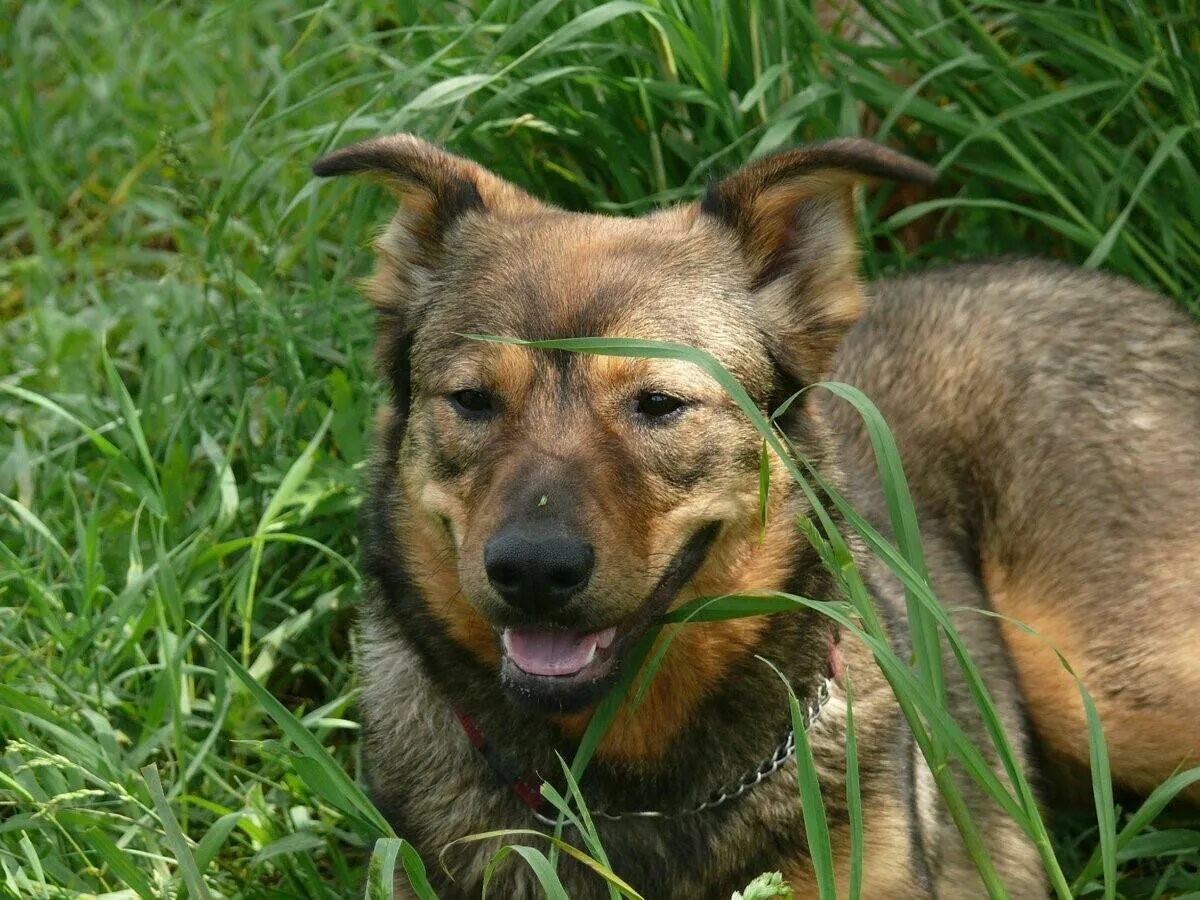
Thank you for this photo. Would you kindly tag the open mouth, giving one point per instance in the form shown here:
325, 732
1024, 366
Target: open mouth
552, 670
557, 654
558, 670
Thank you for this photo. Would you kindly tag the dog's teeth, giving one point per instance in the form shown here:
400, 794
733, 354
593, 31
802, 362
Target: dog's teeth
605, 638
591, 655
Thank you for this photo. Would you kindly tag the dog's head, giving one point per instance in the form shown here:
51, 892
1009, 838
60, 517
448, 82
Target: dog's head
551, 504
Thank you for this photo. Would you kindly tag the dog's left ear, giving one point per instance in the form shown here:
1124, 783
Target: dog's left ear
793, 215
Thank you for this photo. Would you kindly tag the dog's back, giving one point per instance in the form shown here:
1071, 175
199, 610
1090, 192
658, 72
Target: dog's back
1049, 420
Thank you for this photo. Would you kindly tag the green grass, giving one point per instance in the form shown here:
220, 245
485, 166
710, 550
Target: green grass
185, 377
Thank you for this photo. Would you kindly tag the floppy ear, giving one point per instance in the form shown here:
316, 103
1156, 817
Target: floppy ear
437, 193
793, 216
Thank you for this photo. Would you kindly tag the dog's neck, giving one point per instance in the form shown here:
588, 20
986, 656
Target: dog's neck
526, 787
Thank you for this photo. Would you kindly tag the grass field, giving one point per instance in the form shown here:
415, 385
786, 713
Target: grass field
185, 378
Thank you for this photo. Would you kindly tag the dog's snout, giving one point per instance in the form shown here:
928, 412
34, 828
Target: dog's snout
537, 571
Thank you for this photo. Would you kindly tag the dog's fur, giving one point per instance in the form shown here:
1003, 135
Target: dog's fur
1049, 420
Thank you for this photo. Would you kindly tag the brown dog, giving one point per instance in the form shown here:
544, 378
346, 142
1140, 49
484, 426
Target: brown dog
533, 512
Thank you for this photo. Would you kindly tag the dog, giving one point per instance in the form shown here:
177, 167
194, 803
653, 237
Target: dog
533, 512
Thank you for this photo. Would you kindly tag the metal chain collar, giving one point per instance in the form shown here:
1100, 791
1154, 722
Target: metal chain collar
783, 752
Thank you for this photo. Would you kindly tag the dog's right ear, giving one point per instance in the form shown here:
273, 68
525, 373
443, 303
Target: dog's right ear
435, 189
438, 193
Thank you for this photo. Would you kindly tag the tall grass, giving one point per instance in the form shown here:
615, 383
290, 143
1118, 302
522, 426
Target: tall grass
185, 385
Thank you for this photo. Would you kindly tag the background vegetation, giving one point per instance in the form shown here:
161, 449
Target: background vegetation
185, 379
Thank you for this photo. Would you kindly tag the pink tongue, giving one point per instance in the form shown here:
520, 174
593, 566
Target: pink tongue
543, 652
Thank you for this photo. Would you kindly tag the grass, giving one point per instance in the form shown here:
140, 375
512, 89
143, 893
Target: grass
185, 379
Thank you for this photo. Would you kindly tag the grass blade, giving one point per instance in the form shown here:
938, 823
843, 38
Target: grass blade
174, 835
853, 798
329, 778
296, 474
812, 804
1103, 794
572, 851
381, 873
542, 868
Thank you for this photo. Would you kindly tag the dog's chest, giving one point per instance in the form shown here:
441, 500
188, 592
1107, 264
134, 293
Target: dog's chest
438, 789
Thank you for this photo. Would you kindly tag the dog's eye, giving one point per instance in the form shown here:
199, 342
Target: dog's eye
657, 405
473, 404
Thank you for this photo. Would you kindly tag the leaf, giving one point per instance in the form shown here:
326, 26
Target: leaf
1102, 792
537, 861
215, 837
118, 861
174, 836
572, 851
381, 872
764, 489
296, 474
328, 779
768, 886
133, 420
1165, 149
853, 797
449, 91
717, 609
921, 622
812, 804
759, 89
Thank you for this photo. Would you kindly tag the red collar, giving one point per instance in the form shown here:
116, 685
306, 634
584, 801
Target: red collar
527, 792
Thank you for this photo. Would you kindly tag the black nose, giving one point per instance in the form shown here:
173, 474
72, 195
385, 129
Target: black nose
537, 571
